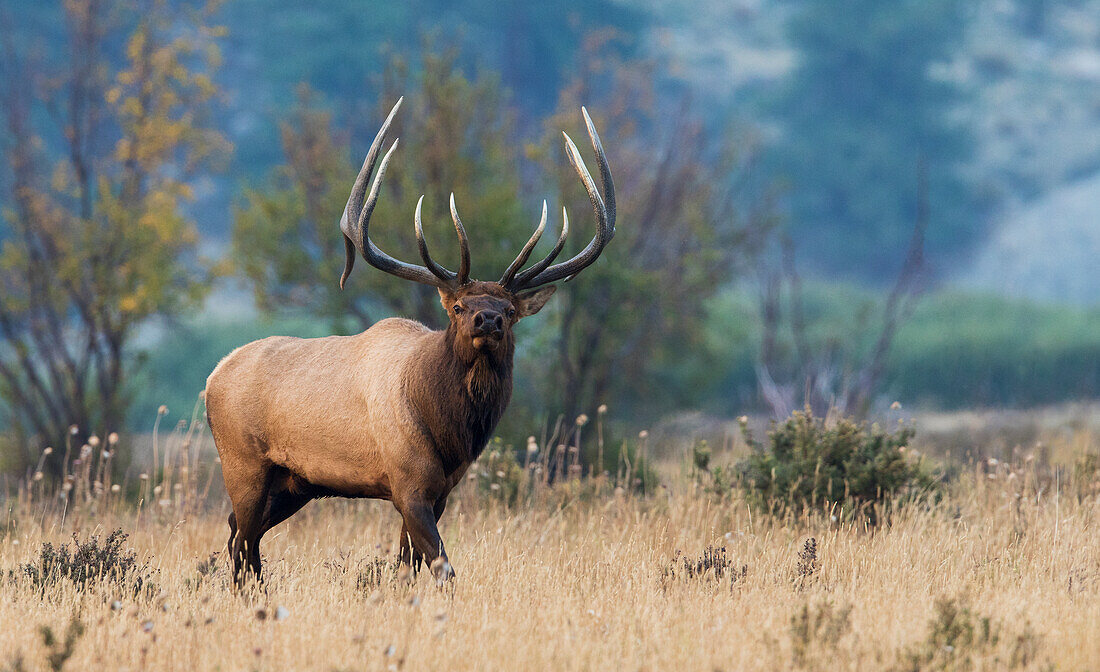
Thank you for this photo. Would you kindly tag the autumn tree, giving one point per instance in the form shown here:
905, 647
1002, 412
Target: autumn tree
455, 134
95, 239
689, 215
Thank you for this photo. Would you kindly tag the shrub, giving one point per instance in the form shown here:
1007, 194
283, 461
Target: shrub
815, 633
85, 563
958, 639
1086, 474
499, 474
807, 560
718, 479
714, 564
376, 573
808, 462
58, 651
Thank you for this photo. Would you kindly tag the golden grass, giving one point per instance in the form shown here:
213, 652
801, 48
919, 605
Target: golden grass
584, 586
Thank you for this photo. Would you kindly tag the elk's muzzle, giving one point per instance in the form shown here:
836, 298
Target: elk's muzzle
488, 323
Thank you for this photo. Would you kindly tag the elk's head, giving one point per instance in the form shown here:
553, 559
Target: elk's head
481, 313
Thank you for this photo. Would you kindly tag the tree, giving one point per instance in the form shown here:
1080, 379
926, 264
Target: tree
456, 135
689, 215
337, 45
864, 105
285, 235
96, 241
837, 376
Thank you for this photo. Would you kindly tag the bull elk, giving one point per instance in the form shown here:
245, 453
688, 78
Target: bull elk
398, 412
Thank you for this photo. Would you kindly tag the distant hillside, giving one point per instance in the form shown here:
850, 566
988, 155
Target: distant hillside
1046, 250
1031, 72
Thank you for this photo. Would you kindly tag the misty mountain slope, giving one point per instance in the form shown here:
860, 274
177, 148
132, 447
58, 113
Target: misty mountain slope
1035, 94
721, 47
1036, 115
1029, 76
1047, 250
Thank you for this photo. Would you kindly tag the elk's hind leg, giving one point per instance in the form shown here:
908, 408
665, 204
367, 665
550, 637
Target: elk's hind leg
287, 495
232, 532
248, 486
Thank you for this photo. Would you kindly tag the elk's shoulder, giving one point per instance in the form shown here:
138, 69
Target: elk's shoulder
397, 326
250, 354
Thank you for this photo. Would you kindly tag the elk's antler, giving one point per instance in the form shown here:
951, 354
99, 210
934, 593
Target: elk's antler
360, 206
542, 272
355, 224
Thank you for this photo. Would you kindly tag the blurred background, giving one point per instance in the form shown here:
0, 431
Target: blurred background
840, 205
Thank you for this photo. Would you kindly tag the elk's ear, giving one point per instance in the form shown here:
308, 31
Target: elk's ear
446, 299
529, 303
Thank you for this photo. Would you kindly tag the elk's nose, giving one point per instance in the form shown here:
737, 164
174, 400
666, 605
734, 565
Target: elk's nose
488, 321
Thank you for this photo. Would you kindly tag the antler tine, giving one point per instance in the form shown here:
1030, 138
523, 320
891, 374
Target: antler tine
543, 264
436, 269
353, 237
359, 211
525, 253
605, 169
463, 243
605, 214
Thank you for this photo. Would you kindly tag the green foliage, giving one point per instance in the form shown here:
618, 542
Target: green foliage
457, 136
960, 639
60, 650
961, 351
958, 350
860, 111
815, 633
718, 479
700, 456
286, 237
85, 563
499, 475
808, 462
627, 463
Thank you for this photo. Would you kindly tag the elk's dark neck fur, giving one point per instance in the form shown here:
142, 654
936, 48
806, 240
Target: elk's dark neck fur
460, 393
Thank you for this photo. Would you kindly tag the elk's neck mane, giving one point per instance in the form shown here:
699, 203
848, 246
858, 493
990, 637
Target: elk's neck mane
460, 394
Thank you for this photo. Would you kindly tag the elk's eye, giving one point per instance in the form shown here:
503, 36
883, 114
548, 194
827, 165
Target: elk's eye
511, 313
457, 308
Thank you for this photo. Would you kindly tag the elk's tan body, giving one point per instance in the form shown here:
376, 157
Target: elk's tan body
398, 412
286, 401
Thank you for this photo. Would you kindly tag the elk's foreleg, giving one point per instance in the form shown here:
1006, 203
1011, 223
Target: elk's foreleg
418, 513
407, 553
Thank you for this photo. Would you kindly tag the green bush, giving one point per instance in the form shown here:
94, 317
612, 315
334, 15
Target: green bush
808, 462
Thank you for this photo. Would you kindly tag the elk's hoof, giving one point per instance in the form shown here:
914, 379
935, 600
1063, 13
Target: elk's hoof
405, 573
442, 570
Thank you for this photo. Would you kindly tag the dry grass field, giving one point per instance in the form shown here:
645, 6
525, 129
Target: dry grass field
1002, 573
